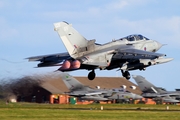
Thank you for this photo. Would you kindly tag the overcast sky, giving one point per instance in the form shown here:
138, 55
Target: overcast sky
26, 29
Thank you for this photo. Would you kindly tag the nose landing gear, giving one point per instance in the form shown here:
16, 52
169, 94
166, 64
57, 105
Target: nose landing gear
126, 74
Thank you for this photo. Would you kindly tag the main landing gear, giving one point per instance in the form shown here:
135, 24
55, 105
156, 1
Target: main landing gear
91, 75
126, 74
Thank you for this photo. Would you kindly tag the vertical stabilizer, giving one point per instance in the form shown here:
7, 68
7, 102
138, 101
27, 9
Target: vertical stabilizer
146, 86
143, 84
71, 83
70, 37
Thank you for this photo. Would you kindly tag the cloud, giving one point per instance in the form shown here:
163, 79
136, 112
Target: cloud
174, 23
2, 4
103, 10
6, 31
117, 5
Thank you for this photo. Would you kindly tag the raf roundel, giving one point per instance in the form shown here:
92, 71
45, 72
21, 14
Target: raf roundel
144, 48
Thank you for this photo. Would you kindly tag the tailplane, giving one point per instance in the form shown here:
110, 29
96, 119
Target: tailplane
70, 37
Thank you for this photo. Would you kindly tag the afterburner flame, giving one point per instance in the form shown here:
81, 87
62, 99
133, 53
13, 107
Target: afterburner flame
66, 65
76, 64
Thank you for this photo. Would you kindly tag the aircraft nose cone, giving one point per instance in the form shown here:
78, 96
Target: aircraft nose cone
138, 97
158, 45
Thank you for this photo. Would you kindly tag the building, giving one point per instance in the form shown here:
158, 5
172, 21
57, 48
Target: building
51, 89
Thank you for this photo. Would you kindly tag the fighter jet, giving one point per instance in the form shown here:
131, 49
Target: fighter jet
123, 95
77, 89
127, 53
151, 91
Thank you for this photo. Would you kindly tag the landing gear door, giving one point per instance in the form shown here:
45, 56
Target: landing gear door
108, 58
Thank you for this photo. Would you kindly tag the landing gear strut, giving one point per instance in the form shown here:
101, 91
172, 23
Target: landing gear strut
126, 74
91, 75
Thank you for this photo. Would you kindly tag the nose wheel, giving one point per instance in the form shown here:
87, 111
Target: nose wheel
91, 75
126, 74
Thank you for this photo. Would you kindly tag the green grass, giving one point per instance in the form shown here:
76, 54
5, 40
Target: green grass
29, 111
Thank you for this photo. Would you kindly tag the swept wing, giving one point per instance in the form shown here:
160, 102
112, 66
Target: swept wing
130, 54
50, 59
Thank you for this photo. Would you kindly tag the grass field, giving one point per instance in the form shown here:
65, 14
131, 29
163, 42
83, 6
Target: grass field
33, 111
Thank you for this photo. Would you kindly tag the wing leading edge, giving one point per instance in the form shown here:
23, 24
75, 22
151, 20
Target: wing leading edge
50, 60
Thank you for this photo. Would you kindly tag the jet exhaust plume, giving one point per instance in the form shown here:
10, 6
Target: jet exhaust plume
22, 86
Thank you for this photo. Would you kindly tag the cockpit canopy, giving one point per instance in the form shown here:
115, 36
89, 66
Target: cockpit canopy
121, 90
135, 37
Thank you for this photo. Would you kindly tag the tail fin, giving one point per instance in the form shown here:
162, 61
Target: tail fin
143, 84
70, 82
146, 86
70, 37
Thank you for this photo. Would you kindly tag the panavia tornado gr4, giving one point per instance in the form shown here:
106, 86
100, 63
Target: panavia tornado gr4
128, 53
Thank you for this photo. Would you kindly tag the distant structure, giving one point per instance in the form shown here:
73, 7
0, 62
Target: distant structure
50, 89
